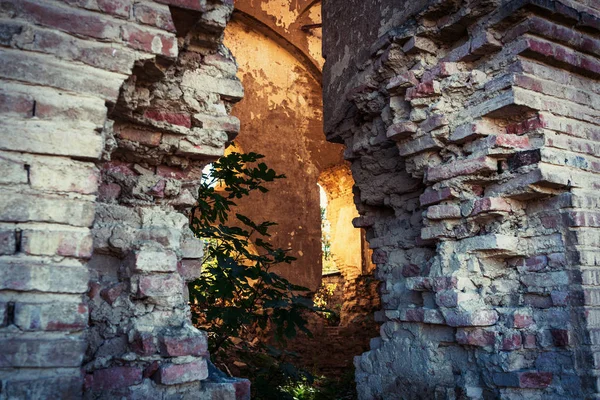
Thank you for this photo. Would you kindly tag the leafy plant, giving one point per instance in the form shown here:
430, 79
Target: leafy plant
238, 297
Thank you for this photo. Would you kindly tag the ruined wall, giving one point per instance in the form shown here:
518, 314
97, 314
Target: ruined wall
472, 128
281, 116
110, 109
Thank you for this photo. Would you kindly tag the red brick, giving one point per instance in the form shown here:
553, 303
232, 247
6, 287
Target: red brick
108, 192
160, 285
456, 318
423, 90
522, 319
110, 294
560, 337
174, 374
535, 380
69, 20
173, 346
16, 103
432, 196
476, 337
481, 165
529, 340
411, 270
404, 80
379, 257
491, 204
401, 130
148, 138
115, 378
37, 353
435, 121
154, 15
175, 118
197, 5
511, 341
149, 41
144, 344
58, 316
190, 269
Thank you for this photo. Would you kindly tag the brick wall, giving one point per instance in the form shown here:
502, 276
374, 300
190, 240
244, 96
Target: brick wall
109, 109
473, 133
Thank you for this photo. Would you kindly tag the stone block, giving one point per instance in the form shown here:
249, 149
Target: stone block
107, 379
57, 316
175, 374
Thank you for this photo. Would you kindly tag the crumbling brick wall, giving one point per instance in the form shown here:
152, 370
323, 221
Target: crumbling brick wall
473, 131
110, 109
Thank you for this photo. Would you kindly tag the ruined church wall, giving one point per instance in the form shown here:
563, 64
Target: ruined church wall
473, 132
109, 111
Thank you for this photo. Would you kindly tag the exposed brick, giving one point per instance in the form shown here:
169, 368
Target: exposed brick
174, 374
150, 41
148, 138
431, 196
181, 119
160, 285
511, 341
67, 387
69, 243
144, 344
481, 165
401, 130
560, 337
476, 337
115, 378
174, 346
112, 293
535, 380
197, 5
491, 205
470, 318
189, 269
51, 317
150, 14
37, 353
70, 20
44, 278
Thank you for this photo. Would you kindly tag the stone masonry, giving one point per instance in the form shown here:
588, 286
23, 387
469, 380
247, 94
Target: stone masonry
473, 128
109, 111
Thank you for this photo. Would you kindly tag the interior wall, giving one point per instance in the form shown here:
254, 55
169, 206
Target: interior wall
281, 118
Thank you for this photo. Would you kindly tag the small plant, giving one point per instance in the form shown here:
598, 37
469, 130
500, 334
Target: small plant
238, 300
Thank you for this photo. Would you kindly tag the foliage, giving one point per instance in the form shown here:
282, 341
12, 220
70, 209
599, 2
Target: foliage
238, 297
